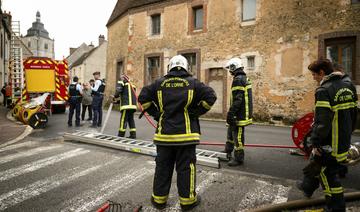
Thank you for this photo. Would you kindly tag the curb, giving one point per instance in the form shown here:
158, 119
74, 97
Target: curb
26, 132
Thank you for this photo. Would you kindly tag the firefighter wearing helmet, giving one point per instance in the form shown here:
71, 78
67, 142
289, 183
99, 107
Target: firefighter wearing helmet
176, 101
240, 111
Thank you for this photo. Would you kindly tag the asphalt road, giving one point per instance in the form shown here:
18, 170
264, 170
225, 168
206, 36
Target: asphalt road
44, 173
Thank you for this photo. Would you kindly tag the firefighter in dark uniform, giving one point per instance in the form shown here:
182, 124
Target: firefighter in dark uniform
125, 90
176, 101
240, 111
334, 122
75, 96
98, 97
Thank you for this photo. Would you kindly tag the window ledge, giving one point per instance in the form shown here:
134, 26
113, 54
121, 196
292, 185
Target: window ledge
248, 23
153, 37
197, 31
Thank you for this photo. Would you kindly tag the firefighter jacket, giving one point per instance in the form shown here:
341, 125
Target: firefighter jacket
335, 114
241, 107
125, 91
177, 100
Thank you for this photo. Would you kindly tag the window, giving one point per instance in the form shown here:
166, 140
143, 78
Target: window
153, 69
119, 70
248, 10
29, 44
355, 1
191, 58
155, 24
342, 52
250, 62
46, 46
198, 13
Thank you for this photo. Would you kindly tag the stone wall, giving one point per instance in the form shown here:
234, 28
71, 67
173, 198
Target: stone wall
284, 39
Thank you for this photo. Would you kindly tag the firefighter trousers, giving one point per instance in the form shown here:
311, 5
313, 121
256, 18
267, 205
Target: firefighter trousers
235, 138
184, 157
127, 117
331, 185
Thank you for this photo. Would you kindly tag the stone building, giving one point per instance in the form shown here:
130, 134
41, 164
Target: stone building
76, 53
5, 36
90, 62
277, 40
38, 41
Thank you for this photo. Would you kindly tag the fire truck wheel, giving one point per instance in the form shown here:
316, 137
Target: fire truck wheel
38, 120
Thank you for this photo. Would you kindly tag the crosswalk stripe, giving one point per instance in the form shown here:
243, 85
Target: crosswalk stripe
262, 193
14, 172
21, 194
27, 153
98, 195
15, 146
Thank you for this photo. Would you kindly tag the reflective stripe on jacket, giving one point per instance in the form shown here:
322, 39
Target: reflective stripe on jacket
126, 94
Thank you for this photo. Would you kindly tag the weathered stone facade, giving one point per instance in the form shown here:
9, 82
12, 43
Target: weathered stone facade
282, 41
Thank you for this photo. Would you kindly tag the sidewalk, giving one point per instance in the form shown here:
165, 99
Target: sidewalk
9, 130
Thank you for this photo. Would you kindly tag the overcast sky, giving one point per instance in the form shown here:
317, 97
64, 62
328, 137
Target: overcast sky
69, 22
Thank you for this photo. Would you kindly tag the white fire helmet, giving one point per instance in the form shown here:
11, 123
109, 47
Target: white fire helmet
178, 61
233, 64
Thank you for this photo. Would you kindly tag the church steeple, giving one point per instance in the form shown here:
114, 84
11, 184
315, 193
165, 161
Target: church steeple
37, 28
38, 16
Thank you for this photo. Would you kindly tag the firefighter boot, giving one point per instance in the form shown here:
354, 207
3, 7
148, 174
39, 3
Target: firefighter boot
132, 135
238, 158
121, 134
190, 207
228, 149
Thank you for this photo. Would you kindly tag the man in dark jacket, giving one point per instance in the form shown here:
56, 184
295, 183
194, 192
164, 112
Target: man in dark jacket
125, 90
98, 97
75, 96
240, 111
176, 101
334, 122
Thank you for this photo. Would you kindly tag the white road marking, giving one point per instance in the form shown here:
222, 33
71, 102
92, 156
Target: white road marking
10, 173
99, 194
27, 153
21, 194
263, 193
15, 146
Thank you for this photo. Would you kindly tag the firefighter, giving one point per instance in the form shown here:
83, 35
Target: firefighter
125, 90
98, 96
176, 101
240, 111
75, 96
334, 122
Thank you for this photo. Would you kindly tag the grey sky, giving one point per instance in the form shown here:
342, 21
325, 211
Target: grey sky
69, 22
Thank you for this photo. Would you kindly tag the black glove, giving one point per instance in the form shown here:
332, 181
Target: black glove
231, 119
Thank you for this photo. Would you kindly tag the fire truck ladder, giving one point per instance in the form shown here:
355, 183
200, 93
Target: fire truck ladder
204, 157
16, 69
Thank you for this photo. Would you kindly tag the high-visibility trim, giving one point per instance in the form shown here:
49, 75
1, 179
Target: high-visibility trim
160, 100
57, 86
122, 121
205, 105
246, 104
127, 107
177, 138
120, 82
59, 97
335, 134
132, 129
325, 182
192, 180
160, 199
337, 190
186, 113
342, 157
323, 104
344, 106
146, 105
57, 90
129, 94
244, 122
241, 88
57, 80
187, 201
239, 138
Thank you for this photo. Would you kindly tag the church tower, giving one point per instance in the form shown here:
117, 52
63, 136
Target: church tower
38, 41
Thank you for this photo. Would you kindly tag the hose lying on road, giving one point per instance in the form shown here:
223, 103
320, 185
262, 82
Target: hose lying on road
303, 203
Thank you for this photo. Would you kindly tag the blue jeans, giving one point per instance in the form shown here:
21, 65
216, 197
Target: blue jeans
75, 104
97, 110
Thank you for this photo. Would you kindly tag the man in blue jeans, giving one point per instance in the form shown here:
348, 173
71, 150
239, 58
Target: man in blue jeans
98, 96
75, 93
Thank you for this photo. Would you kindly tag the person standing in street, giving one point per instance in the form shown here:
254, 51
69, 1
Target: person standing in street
334, 122
240, 111
125, 90
176, 101
75, 95
98, 97
86, 102
3, 91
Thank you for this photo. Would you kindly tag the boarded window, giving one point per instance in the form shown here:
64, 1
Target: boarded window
251, 62
155, 24
248, 10
153, 71
342, 52
191, 58
198, 17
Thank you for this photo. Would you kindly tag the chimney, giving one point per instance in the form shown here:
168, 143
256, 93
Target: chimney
91, 45
72, 50
101, 39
